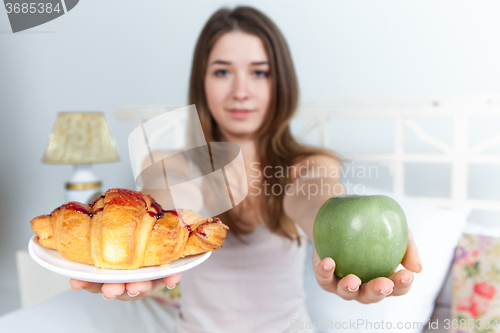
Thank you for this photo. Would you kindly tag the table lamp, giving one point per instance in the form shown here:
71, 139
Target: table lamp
81, 138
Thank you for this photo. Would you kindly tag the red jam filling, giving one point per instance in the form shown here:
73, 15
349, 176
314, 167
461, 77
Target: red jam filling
73, 205
128, 197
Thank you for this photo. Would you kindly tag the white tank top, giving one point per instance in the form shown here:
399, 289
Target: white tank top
254, 287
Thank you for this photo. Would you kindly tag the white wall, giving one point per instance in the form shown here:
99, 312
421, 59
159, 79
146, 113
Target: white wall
104, 54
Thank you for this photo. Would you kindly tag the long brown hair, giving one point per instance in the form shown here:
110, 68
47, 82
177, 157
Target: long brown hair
276, 145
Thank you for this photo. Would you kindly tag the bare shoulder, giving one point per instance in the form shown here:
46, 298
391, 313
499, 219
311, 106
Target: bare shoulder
317, 166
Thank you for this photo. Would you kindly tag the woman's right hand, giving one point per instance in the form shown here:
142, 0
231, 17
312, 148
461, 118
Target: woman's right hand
126, 291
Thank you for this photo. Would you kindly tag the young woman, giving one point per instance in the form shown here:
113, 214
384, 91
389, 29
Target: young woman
245, 90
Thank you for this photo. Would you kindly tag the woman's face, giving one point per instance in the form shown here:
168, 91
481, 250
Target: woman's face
237, 83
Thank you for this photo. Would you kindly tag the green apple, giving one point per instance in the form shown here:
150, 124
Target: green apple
366, 235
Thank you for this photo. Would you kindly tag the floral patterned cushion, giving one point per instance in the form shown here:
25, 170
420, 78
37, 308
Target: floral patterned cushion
476, 286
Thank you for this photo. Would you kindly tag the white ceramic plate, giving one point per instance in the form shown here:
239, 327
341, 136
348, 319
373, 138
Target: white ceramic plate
53, 261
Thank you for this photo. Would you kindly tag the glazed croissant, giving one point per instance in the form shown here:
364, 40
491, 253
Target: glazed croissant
125, 229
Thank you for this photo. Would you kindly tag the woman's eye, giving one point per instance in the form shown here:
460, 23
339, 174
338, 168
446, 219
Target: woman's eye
260, 73
221, 72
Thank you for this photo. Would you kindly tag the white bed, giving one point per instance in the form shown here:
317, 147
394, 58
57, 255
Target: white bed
400, 121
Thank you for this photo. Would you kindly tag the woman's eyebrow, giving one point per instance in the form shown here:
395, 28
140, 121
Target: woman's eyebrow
257, 63
220, 62
225, 62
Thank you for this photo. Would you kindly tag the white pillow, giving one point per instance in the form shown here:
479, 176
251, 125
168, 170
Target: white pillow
436, 232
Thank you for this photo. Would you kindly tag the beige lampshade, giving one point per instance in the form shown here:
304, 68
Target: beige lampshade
81, 137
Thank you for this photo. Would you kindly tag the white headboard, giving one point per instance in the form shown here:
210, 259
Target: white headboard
459, 154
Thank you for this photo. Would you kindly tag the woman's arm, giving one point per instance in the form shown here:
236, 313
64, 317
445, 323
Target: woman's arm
154, 176
314, 181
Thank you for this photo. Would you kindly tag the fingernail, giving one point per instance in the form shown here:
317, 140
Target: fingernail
81, 288
170, 288
138, 292
382, 292
327, 268
406, 282
107, 299
349, 288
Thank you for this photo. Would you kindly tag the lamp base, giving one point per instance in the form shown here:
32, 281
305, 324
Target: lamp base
82, 193
83, 186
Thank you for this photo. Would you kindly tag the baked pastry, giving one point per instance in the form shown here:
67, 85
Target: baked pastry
125, 229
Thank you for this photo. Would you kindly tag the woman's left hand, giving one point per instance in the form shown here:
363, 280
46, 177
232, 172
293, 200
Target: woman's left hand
351, 288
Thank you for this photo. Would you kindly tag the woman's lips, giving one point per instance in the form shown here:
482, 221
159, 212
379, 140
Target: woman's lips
240, 113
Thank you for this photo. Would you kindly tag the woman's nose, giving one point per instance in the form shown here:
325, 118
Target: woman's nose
240, 88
